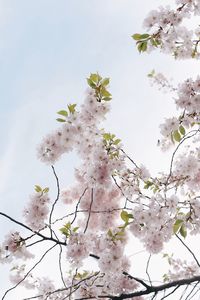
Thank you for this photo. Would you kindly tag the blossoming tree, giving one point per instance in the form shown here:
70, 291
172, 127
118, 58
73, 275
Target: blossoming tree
115, 198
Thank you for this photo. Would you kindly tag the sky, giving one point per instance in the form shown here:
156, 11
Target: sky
47, 49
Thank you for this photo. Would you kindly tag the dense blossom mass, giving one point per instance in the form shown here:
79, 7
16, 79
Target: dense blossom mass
114, 199
167, 30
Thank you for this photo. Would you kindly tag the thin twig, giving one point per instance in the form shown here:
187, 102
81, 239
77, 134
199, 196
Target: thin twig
147, 267
35, 265
189, 250
77, 205
57, 197
88, 219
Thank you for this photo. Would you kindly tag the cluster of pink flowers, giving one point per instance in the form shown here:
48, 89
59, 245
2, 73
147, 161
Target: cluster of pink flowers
187, 99
106, 181
154, 234
112, 195
161, 81
37, 210
168, 32
13, 247
181, 269
78, 132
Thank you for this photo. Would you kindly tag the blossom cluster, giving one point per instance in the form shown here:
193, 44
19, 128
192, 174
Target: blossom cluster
37, 210
168, 33
187, 99
113, 196
180, 269
13, 247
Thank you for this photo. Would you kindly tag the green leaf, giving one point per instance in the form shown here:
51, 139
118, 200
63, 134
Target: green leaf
130, 216
110, 233
142, 46
183, 231
107, 98
60, 120
38, 188
148, 184
107, 136
155, 42
105, 93
156, 188
136, 36
46, 190
63, 113
182, 130
81, 275
151, 74
124, 216
91, 83
105, 81
95, 77
144, 36
177, 225
117, 141
71, 108
139, 47
66, 229
120, 233
177, 136
75, 229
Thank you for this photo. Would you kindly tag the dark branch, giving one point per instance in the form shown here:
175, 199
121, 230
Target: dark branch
154, 289
57, 197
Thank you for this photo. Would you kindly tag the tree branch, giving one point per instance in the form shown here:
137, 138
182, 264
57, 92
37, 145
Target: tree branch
154, 289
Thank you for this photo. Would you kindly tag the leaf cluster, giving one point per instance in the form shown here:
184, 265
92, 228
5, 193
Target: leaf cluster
111, 144
178, 134
179, 227
142, 41
99, 85
151, 185
71, 109
38, 189
67, 229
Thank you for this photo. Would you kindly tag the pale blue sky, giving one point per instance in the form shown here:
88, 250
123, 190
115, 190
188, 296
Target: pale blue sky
47, 49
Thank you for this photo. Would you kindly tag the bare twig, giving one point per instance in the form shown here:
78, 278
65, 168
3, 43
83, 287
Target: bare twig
35, 265
77, 205
184, 244
88, 219
147, 267
57, 197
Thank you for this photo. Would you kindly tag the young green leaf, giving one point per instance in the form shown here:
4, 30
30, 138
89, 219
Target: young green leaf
183, 231
182, 130
95, 77
105, 81
144, 36
71, 108
63, 113
38, 188
177, 136
46, 190
91, 83
148, 184
177, 225
60, 120
124, 216
136, 36
142, 46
